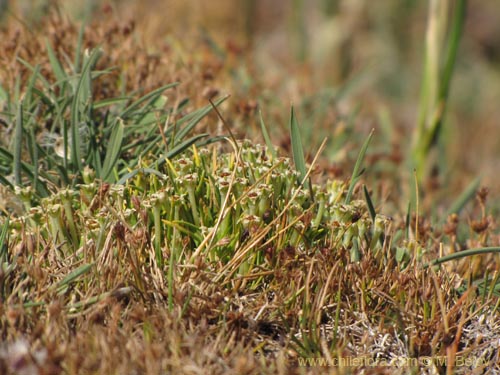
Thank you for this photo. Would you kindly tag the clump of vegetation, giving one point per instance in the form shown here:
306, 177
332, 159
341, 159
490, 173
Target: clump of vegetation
231, 240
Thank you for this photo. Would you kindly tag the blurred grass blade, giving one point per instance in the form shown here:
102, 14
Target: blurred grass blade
80, 101
297, 149
357, 167
109, 102
78, 51
28, 96
408, 221
153, 95
72, 276
210, 140
3, 94
445, 80
267, 139
198, 116
184, 145
33, 146
5, 182
151, 112
113, 151
18, 144
3, 240
463, 254
33, 69
369, 203
465, 197
135, 172
438, 71
57, 68
451, 57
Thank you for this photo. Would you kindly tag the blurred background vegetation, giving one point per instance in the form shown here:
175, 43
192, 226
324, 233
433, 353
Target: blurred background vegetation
346, 65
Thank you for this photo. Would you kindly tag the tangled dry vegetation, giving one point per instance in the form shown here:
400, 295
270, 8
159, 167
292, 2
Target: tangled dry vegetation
223, 259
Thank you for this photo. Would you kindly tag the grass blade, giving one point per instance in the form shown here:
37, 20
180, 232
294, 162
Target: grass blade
446, 75
3, 240
33, 69
135, 172
109, 102
369, 203
18, 144
463, 254
80, 100
438, 71
57, 68
408, 221
114, 150
153, 95
78, 51
451, 57
357, 166
72, 276
34, 157
4, 96
184, 145
177, 150
297, 149
267, 139
198, 116
464, 198
28, 96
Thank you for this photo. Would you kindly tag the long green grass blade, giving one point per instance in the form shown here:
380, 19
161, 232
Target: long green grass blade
45, 83
4, 96
6, 155
464, 198
152, 114
438, 72
357, 168
33, 146
185, 145
463, 254
369, 204
451, 57
114, 150
408, 221
80, 100
135, 172
57, 68
24, 167
297, 149
198, 116
5, 182
78, 51
151, 96
50, 102
446, 75
28, 96
109, 102
73, 276
267, 139
179, 149
210, 140
18, 145
3, 240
